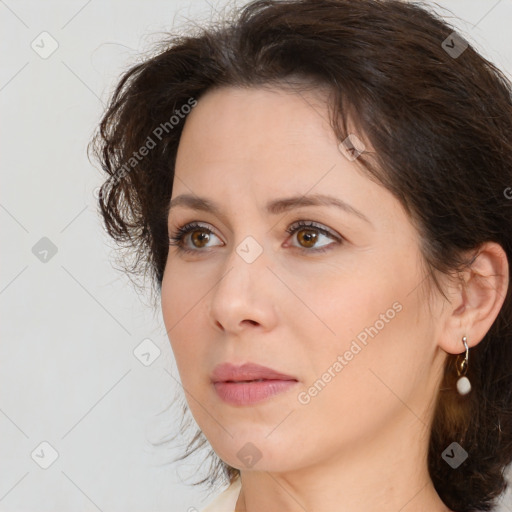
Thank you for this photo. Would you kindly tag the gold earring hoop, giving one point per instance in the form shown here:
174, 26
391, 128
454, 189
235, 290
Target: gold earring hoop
463, 384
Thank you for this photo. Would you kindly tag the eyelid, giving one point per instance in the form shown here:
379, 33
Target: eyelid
179, 234
297, 226
191, 226
313, 224
184, 230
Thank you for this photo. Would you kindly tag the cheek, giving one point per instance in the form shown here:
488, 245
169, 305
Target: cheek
378, 345
353, 399
180, 304
171, 307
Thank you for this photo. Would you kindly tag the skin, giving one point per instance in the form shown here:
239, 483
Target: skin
360, 444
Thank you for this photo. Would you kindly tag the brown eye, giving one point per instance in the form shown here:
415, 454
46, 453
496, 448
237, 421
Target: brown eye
199, 235
199, 238
307, 237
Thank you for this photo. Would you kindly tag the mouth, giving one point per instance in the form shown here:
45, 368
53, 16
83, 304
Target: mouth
249, 383
244, 393
248, 372
253, 380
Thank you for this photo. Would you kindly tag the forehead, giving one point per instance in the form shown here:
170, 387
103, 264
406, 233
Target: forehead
252, 145
274, 138
248, 123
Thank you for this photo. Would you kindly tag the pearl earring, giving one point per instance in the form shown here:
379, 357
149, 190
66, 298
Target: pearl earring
463, 384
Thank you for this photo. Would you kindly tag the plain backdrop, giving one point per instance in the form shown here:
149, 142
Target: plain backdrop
81, 401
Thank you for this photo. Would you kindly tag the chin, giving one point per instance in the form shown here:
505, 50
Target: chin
253, 451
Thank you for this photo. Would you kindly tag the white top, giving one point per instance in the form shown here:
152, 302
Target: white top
226, 500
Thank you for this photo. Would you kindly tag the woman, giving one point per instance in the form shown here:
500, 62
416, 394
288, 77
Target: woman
320, 190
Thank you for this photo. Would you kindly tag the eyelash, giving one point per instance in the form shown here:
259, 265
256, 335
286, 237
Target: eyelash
176, 239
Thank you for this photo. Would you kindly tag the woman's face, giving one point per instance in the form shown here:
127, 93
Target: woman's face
342, 312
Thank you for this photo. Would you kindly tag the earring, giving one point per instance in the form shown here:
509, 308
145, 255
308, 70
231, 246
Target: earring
463, 384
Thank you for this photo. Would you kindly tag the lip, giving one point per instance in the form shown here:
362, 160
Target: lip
249, 383
249, 371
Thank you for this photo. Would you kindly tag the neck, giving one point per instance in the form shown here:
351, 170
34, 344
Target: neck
388, 473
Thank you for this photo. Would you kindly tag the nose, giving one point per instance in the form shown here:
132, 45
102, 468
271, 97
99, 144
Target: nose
244, 296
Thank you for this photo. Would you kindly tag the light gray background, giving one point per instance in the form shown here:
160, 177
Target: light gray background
69, 376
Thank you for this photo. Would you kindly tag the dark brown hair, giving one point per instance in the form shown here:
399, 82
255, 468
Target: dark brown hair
440, 125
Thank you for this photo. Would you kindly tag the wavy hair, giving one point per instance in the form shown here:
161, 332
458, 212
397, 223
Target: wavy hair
439, 117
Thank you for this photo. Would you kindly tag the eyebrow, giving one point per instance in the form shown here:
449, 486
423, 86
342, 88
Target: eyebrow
274, 207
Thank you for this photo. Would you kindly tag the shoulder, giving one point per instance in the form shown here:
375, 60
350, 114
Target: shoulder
226, 500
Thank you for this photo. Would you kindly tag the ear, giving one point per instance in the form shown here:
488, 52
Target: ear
476, 300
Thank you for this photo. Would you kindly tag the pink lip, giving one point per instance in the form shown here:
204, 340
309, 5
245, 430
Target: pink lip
249, 371
240, 385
